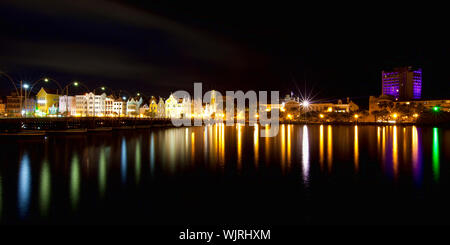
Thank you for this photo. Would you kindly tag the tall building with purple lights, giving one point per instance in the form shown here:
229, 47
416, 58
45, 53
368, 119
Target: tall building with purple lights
403, 83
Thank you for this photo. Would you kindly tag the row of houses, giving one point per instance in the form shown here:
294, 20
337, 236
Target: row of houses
48, 102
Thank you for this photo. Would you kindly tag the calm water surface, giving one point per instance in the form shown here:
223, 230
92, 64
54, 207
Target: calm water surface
315, 174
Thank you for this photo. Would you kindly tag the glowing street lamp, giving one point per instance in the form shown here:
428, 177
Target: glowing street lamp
75, 83
305, 103
356, 116
416, 115
124, 98
395, 115
46, 80
321, 116
26, 86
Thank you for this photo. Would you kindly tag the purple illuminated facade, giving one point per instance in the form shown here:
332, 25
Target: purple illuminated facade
403, 83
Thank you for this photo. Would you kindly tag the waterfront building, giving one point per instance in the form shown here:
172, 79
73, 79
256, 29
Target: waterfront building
119, 107
144, 110
133, 106
402, 83
173, 107
161, 109
153, 107
109, 106
67, 105
47, 102
350, 106
90, 104
2, 108
13, 105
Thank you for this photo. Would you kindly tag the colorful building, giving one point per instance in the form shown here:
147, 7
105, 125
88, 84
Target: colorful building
402, 83
47, 102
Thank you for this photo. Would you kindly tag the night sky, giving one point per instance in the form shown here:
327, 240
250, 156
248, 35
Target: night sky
335, 51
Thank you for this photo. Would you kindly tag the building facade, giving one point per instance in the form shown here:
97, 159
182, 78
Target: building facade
133, 106
403, 83
67, 105
90, 104
47, 102
161, 109
119, 107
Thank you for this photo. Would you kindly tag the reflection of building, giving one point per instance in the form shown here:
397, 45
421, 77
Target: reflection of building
133, 106
403, 83
47, 102
161, 109
67, 103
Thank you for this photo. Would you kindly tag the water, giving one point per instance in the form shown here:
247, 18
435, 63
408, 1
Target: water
315, 174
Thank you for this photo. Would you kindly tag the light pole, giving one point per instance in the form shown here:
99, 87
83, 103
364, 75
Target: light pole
25, 86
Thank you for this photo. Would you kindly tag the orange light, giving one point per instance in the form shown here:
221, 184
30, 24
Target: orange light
356, 116
330, 109
321, 116
289, 116
416, 115
395, 115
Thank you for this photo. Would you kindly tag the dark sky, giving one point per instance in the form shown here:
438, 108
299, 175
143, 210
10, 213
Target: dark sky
337, 50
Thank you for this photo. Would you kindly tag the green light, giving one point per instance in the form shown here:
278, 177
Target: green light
435, 154
44, 189
436, 108
102, 173
75, 181
138, 161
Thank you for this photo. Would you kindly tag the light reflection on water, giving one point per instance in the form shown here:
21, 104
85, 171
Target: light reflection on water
305, 152
24, 186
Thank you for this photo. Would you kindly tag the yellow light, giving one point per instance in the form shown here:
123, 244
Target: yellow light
395, 115
267, 109
416, 115
256, 115
356, 116
330, 109
45, 79
289, 116
321, 115
282, 109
